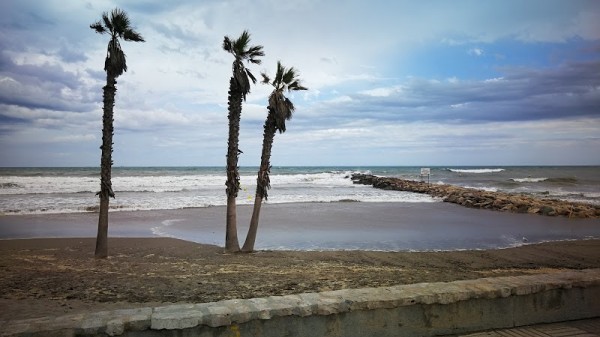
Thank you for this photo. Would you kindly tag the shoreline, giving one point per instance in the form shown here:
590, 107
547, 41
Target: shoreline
43, 277
322, 226
523, 244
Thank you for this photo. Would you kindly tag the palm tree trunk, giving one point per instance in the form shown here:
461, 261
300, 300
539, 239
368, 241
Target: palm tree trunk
233, 175
262, 181
253, 229
232, 244
106, 191
102, 236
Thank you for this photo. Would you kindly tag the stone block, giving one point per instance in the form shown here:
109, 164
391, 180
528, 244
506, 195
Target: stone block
263, 310
172, 320
219, 315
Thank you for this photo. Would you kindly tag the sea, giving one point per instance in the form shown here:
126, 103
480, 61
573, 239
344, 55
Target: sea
309, 208
26, 191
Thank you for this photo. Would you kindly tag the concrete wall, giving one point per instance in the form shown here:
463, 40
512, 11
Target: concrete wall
426, 309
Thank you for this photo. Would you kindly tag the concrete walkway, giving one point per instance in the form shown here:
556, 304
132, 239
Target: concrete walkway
581, 328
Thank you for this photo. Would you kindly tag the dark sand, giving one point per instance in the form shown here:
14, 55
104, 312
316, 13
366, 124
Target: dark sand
47, 277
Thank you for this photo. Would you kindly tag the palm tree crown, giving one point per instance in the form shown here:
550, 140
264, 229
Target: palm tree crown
286, 79
118, 26
241, 50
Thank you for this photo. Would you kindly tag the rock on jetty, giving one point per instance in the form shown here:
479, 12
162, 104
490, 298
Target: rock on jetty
473, 198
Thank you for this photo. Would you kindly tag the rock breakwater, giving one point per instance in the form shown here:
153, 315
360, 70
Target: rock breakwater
473, 198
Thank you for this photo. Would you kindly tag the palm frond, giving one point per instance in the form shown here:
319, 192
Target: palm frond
283, 112
242, 42
120, 21
255, 61
253, 53
278, 75
107, 22
290, 108
115, 62
294, 86
241, 78
288, 76
132, 35
98, 27
250, 75
227, 45
266, 79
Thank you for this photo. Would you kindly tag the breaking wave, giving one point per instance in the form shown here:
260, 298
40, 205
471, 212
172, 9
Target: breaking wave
483, 170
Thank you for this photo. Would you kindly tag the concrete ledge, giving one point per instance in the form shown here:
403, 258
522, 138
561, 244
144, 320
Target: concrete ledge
425, 309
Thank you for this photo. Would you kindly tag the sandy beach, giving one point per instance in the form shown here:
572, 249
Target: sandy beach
48, 268
45, 277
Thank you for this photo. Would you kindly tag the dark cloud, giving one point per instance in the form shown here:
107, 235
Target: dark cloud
9, 120
570, 90
150, 7
70, 55
173, 31
43, 86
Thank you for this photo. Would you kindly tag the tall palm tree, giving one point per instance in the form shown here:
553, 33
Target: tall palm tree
117, 25
280, 109
239, 87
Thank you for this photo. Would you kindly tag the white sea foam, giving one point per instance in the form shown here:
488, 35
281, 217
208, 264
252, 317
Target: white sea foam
162, 229
73, 194
483, 170
482, 188
31, 191
528, 180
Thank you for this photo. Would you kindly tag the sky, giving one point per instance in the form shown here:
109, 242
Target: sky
416, 83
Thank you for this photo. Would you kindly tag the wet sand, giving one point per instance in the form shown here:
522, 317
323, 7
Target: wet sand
323, 226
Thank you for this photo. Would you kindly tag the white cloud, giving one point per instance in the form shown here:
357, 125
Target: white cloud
381, 92
151, 119
475, 51
73, 138
492, 80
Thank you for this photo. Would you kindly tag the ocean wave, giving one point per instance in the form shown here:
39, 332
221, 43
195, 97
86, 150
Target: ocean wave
484, 170
528, 180
586, 198
563, 180
10, 185
482, 188
559, 180
162, 184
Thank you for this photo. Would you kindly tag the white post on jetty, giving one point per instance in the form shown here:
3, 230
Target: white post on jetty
425, 171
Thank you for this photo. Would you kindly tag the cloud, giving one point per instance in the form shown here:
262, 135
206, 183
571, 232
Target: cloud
475, 51
151, 119
521, 94
73, 138
399, 77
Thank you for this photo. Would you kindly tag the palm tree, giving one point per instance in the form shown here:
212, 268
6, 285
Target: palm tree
239, 87
116, 24
280, 109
